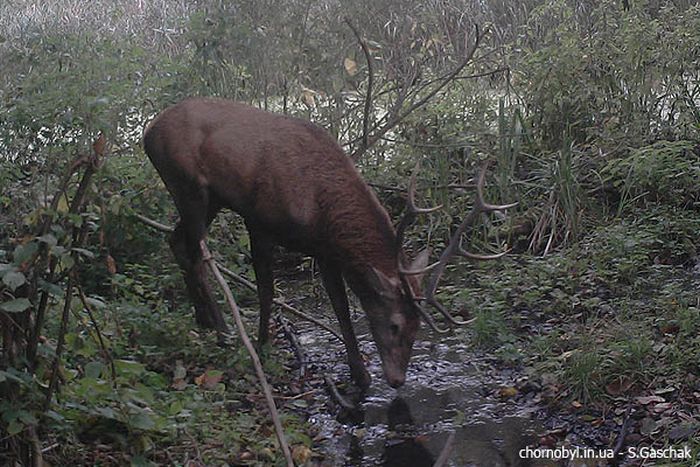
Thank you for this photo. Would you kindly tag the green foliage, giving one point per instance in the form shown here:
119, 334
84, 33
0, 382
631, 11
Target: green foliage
618, 77
664, 172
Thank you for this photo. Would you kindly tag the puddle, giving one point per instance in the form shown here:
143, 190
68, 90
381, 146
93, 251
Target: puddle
449, 389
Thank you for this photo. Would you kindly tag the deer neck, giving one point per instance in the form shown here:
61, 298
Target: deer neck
361, 234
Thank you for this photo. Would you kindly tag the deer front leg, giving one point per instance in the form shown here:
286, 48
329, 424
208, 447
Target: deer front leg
335, 287
261, 251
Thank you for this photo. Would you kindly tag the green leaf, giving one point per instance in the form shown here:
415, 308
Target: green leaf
49, 239
16, 306
14, 279
95, 302
129, 368
15, 427
84, 252
67, 262
142, 421
13, 375
175, 408
55, 416
27, 417
51, 289
107, 412
24, 253
140, 461
93, 369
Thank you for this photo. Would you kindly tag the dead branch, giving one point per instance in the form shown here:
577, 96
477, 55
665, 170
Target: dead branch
207, 257
298, 350
624, 429
103, 347
342, 401
53, 381
156, 225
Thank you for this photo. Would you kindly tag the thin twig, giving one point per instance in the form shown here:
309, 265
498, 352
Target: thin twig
38, 453
398, 116
619, 444
342, 401
207, 257
298, 350
154, 224
103, 347
446, 451
53, 381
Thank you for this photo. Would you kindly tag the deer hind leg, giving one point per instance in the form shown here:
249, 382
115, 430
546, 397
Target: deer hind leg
335, 287
195, 217
261, 250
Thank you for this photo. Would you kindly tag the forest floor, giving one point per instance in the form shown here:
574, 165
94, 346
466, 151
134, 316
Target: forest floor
594, 347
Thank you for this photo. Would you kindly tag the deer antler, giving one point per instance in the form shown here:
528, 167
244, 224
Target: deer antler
453, 248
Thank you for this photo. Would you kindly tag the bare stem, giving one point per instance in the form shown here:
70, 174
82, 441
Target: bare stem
251, 350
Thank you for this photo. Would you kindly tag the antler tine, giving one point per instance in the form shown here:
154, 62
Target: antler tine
430, 322
479, 257
475, 256
480, 203
416, 272
412, 195
440, 307
411, 209
479, 207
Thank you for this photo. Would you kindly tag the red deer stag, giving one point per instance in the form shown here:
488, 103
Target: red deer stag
294, 186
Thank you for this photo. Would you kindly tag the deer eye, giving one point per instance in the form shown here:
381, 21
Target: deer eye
394, 328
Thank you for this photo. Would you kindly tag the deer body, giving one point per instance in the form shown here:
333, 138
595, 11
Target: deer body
293, 186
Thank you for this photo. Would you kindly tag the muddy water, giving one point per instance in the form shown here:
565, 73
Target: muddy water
449, 389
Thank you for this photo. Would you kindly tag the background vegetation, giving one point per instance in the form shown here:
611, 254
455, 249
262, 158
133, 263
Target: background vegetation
591, 110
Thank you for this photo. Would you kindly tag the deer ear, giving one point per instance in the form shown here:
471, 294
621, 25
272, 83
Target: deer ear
381, 283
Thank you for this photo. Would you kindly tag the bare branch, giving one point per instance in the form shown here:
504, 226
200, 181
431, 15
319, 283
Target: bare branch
370, 83
342, 401
446, 451
207, 257
398, 116
156, 225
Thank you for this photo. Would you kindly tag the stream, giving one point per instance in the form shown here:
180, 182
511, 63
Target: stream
450, 389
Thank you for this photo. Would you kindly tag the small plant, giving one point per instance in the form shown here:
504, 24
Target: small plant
581, 374
559, 219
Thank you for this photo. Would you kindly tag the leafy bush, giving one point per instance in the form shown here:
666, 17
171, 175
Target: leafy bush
665, 172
